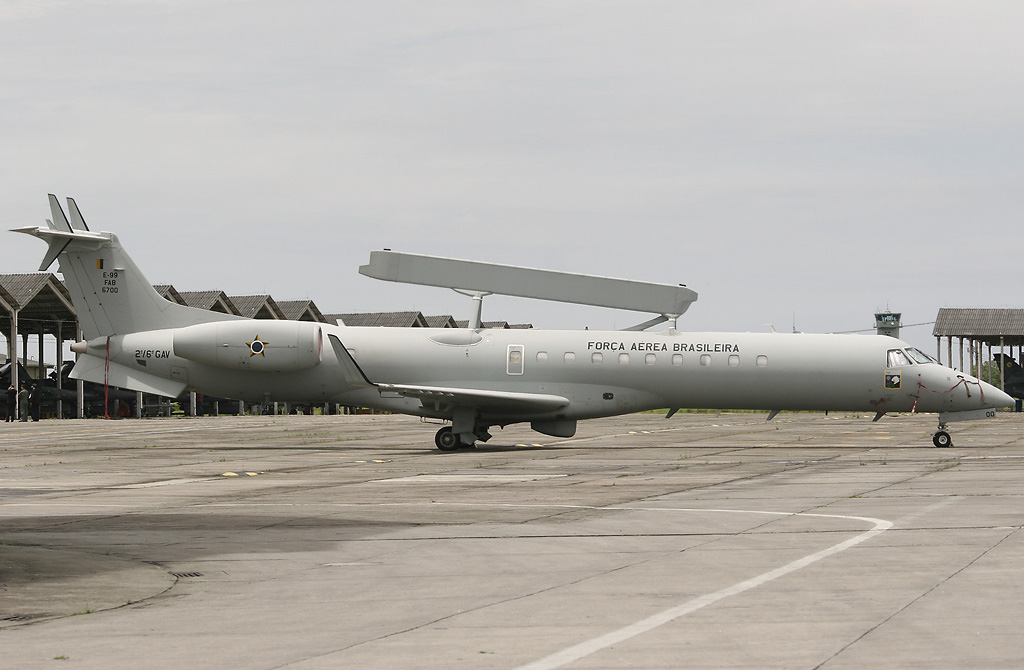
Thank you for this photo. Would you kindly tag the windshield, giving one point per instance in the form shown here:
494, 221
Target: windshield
919, 356
897, 358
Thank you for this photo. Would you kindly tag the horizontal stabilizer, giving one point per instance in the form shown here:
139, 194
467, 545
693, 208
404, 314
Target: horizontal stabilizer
92, 369
500, 402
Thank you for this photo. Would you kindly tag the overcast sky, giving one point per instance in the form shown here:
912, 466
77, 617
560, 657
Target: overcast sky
787, 160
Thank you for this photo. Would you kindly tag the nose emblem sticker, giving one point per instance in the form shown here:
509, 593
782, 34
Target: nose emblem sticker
893, 379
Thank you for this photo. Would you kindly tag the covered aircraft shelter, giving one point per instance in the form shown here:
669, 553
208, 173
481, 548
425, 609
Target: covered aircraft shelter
35, 303
978, 332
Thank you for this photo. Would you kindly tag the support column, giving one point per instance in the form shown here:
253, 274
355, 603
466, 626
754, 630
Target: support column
79, 384
138, 404
949, 347
12, 355
1002, 381
41, 372
60, 366
961, 354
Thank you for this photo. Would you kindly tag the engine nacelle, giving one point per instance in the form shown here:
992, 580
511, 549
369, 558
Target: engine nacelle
257, 345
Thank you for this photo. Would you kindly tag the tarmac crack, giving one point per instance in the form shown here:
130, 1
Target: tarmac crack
913, 601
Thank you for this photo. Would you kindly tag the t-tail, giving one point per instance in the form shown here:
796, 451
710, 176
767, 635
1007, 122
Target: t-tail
111, 295
113, 301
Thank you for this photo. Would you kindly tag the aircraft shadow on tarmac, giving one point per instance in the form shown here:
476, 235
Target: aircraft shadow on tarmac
174, 538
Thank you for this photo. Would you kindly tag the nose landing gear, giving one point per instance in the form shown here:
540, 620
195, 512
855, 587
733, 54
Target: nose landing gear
941, 438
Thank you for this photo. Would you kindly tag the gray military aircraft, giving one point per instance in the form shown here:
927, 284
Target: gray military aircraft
478, 378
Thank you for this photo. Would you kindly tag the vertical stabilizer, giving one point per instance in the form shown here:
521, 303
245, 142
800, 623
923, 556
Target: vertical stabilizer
110, 294
60, 222
77, 222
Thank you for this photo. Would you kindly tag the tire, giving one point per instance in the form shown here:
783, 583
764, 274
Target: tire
446, 440
942, 439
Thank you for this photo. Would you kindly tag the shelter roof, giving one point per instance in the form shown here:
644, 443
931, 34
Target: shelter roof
500, 325
7, 302
41, 300
440, 321
257, 306
215, 301
168, 292
988, 325
301, 310
387, 319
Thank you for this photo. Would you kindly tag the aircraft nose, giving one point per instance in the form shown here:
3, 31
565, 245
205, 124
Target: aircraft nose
995, 397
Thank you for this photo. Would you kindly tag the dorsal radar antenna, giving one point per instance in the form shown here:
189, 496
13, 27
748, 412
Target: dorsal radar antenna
477, 279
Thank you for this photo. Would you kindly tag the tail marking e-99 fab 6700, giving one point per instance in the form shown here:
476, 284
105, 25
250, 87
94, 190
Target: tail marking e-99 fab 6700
477, 378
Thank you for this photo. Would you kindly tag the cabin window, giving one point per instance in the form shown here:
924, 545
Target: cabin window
650, 359
623, 359
569, 358
515, 359
597, 357
734, 361
542, 357
762, 361
896, 358
705, 359
677, 359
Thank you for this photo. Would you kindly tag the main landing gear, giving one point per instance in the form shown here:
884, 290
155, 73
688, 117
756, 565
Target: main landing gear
941, 438
448, 440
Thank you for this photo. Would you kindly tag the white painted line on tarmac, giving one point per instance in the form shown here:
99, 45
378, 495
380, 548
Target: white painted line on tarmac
583, 649
457, 478
165, 482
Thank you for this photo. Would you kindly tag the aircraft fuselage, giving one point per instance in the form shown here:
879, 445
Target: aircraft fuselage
601, 373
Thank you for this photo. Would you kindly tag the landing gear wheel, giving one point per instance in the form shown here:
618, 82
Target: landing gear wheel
446, 440
942, 439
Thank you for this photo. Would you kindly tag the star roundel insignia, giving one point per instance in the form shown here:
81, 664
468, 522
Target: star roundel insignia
257, 347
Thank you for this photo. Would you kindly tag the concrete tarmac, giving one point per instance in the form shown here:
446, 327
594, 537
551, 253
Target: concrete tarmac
699, 541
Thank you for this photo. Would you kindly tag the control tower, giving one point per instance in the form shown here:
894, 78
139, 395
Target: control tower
888, 323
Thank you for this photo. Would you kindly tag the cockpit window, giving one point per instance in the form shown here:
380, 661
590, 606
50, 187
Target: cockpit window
919, 356
897, 358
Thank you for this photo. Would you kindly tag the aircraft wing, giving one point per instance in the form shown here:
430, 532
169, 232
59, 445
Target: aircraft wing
499, 402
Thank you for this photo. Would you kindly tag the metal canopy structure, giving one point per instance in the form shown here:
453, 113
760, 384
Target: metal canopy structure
256, 306
440, 321
168, 292
384, 319
215, 301
35, 303
301, 310
40, 299
979, 328
991, 326
477, 279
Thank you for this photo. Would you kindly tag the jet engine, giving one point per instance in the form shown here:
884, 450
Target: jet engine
257, 345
